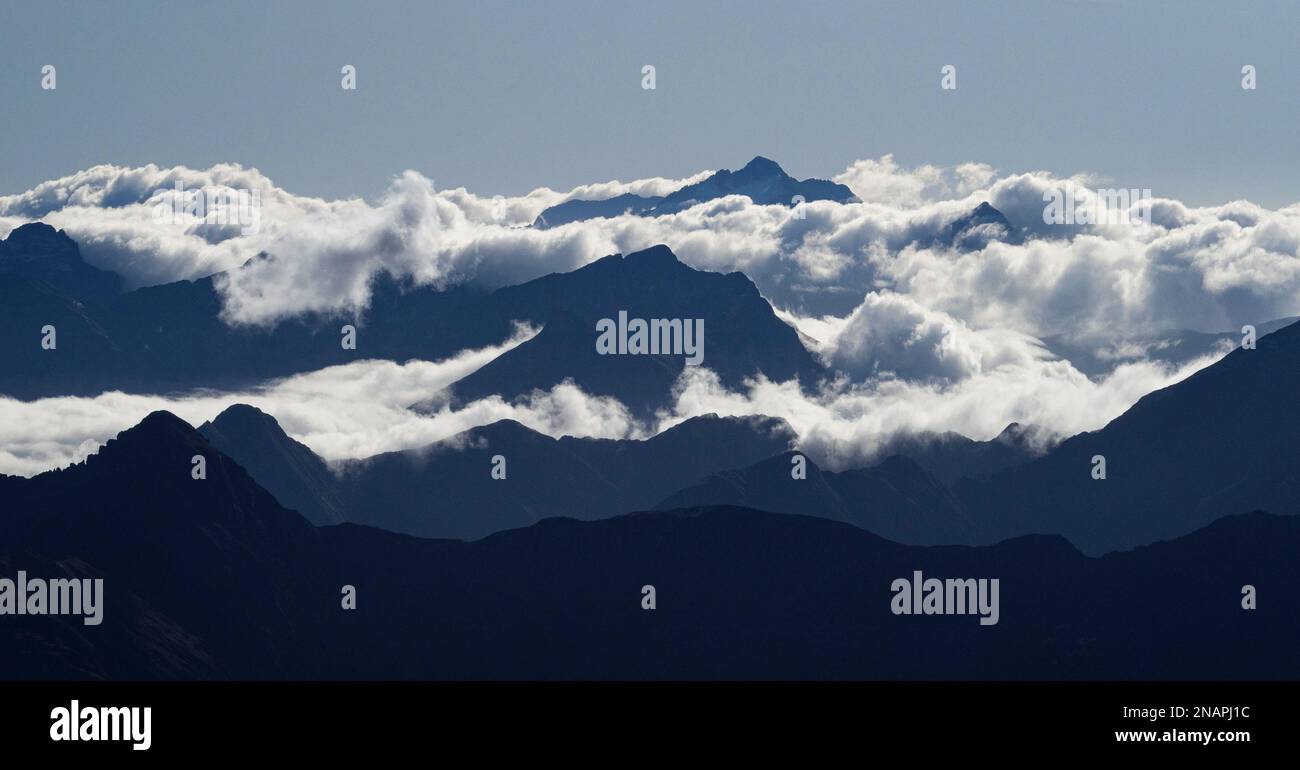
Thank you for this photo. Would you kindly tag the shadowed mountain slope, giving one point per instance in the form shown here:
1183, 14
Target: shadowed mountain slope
212, 578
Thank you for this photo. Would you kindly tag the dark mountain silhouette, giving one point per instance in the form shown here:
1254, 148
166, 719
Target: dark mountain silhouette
214, 579
579, 210
83, 342
951, 456
298, 478
193, 553
1217, 443
896, 499
762, 180
742, 336
172, 337
40, 252
565, 350
446, 489
1221, 441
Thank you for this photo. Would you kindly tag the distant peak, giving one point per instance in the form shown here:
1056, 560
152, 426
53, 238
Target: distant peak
503, 430
37, 232
761, 166
163, 420
1012, 429
659, 254
155, 432
243, 414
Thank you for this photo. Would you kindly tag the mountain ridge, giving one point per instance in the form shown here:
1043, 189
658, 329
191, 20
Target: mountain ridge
212, 579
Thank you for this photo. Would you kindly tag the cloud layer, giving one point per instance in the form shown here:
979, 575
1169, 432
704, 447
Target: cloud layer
358, 410
927, 337
1208, 268
341, 412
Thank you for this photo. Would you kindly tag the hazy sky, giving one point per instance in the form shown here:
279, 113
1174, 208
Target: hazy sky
505, 97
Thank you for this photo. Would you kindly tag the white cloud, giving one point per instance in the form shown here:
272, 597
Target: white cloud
885, 182
929, 338
346, 411
358, 410
847, 425
890, 334
1207, 268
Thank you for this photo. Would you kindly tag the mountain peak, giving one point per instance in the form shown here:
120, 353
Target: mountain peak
161, 437
37, 232
242, 415
761, 166
657, 255
1013, 431
160, 427
39, 240
37, 250
975, 229
762, 180
162, 421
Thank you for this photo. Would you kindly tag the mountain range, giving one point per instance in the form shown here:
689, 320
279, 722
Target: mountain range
447, 489
212, 578
172, 337
1219, 442
761, 180
1175, 461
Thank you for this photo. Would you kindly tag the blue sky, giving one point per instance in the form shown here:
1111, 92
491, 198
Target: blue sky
502, 97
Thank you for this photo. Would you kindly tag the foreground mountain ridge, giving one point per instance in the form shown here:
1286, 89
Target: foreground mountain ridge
212, 578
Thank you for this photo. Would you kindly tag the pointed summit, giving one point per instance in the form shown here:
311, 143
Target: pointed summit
160, 439
656, 256
761, 167
976, 229
762, 180
159, 425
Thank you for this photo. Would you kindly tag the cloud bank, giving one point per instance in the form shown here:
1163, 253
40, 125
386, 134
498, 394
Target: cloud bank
926, 336
1208, 268
359, 410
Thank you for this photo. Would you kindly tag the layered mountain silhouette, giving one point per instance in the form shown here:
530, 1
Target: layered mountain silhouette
1219, 442
41, 253
742, 335
172, 337
202, 571
951, 456
212, 578
447, 489
762, 180
297, 477
897, 499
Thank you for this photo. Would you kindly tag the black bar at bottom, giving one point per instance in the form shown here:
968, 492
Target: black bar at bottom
1003, 719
